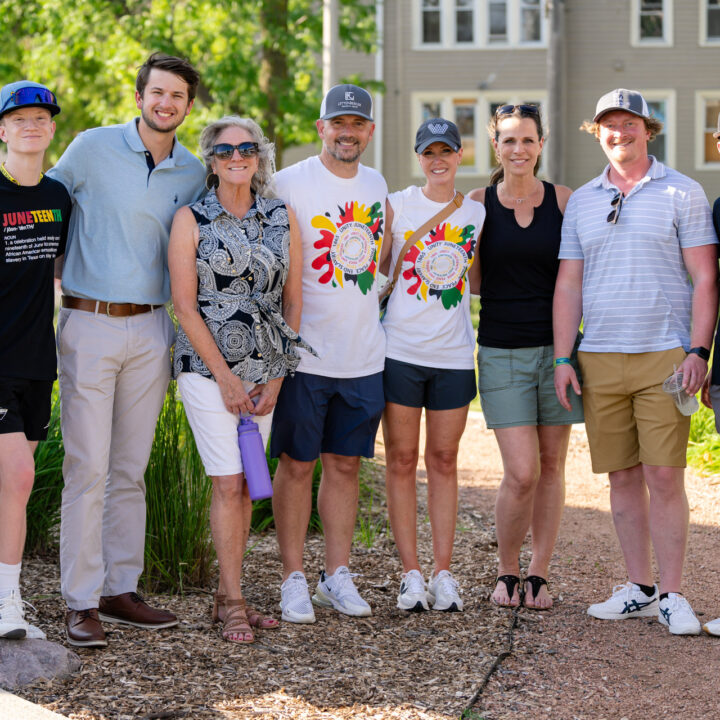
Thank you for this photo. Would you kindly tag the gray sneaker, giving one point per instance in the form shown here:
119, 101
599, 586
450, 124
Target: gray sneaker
295, 599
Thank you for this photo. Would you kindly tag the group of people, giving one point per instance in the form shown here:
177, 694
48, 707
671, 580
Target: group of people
274, 281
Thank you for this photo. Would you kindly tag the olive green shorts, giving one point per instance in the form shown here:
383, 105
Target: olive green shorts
517, 387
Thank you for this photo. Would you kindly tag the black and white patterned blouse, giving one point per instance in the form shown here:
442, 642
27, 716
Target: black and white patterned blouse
242, 266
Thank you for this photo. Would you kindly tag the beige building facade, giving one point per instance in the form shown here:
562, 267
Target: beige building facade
461, 59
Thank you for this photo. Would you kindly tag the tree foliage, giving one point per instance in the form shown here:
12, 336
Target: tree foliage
257, 58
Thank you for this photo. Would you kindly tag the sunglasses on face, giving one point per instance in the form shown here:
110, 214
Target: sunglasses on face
616, 203
225, 151
510, 109
27, 96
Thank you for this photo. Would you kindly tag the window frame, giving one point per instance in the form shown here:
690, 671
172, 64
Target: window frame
483, 99
448, 29
701, 96
669, 126
704, 40
667, 38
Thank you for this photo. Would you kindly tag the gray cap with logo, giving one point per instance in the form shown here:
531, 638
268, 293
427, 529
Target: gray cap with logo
25, 93
346, 100
621, 99
437, 130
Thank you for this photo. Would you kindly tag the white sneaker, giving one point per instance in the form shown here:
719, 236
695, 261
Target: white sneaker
13, 625
443, 592
413, 596
339, 591
677, 615
627, 601
295, 599
35, 633
712, 627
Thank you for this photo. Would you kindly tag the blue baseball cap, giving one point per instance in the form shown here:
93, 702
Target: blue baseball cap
24, 93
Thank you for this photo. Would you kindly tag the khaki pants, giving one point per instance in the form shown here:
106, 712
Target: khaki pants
114, 373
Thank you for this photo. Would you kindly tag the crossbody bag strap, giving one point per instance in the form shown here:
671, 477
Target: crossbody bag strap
449, 209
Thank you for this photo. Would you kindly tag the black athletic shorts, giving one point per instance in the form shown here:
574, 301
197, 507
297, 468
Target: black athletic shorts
25, 407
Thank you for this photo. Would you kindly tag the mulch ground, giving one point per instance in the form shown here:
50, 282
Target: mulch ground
489, 663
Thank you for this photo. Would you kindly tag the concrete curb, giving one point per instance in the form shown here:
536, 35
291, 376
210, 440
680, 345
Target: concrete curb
14, 708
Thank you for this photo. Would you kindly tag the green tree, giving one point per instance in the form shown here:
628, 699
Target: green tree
258, 58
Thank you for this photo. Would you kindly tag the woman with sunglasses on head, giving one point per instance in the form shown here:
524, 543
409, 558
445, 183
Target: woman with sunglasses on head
429, 358
518, 267
235, 264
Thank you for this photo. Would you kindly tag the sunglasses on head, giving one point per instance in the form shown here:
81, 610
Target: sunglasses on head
225, 151
510, 109
27, 96
616, 203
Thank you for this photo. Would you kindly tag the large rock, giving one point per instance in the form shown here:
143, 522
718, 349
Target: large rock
23, 661
14, 708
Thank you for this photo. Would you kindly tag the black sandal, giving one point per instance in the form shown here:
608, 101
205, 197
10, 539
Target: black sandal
511, 582
536, 582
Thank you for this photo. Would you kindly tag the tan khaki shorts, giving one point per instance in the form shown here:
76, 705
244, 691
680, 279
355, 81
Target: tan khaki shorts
628, 417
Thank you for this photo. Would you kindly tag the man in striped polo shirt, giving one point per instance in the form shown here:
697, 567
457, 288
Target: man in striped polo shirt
630, 239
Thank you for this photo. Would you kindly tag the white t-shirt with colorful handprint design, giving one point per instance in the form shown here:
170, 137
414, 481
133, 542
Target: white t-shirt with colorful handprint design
428, 316
342, 221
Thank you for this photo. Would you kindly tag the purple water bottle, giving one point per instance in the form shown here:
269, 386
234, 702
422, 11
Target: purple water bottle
252, 452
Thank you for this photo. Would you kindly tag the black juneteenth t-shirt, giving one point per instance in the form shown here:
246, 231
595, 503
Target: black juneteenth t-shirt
33, 232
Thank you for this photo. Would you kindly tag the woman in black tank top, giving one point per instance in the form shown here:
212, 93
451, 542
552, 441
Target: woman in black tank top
518, 266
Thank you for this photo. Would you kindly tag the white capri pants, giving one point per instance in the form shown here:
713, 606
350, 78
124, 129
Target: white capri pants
213, 426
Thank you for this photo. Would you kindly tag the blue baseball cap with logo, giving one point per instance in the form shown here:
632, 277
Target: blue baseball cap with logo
24, 93
437, 130
346, 100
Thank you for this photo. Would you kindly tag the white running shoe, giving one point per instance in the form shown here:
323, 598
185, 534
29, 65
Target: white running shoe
677, 615
295, 599
35, 633
712, 627
627, 601
443, 592
413, 595
339, 591
13, 625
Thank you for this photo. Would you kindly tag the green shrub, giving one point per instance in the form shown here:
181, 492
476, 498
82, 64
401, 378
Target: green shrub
704, 446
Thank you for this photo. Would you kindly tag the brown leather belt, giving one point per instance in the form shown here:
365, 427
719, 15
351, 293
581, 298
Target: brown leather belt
113, 309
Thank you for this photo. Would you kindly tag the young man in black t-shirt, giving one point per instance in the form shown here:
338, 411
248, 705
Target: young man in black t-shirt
34, 215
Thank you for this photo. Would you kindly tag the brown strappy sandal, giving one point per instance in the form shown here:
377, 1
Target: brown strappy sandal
236, 623
255, 618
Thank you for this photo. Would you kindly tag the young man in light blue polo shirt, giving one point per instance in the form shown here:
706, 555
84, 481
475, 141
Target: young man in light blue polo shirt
630, 238
114, 338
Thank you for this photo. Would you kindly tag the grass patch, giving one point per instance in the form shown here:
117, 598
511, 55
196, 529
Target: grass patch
704, 446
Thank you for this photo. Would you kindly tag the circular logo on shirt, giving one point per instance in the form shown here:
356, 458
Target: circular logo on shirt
353, 248
441, 265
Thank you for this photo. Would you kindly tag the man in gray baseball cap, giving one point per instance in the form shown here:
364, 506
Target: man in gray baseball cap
331, 407
638, 263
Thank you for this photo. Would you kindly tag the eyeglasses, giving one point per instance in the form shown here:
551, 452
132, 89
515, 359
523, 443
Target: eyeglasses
510, 109
28, 96
616, 203
225, 151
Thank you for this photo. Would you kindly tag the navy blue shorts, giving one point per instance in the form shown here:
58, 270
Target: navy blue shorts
25, 407
432, 388
317, 414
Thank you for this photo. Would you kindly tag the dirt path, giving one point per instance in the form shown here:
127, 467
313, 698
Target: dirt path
565, 664
561, 664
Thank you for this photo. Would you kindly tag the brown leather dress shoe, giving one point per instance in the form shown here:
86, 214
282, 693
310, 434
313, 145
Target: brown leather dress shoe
83, 628
130, 609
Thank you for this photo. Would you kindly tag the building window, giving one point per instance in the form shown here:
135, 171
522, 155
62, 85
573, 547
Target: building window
431, 21
662, 107
651, 22
464, 21
471, 112
709, 21
480, 24
707, 109
530, 21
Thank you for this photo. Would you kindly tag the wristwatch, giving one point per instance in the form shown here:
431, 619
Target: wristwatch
701, 352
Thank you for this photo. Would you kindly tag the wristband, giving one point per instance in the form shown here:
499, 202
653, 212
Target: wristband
702, 352
561, 361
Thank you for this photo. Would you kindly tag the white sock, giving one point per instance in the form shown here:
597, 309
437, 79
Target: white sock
9, 578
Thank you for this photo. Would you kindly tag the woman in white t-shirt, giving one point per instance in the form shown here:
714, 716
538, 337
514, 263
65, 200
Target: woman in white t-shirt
429, 359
